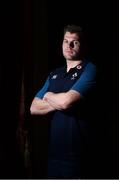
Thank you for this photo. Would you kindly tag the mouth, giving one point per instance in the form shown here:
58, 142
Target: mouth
69, 51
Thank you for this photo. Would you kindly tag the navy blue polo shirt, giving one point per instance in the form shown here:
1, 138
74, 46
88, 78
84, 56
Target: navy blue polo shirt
64, 143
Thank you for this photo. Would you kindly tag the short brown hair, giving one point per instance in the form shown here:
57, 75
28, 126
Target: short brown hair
74, 29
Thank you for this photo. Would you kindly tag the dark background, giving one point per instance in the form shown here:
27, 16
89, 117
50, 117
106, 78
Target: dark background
31, 37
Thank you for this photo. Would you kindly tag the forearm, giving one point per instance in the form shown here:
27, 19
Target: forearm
62, 101
40, 107
54, 99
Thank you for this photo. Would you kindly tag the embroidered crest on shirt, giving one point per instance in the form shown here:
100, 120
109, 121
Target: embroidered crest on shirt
74, 76
79, 67
54, 76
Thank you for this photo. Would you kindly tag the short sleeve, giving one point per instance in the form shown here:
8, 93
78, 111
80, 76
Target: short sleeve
87, 80
44, 89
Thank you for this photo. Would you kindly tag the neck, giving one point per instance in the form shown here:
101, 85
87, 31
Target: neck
72, 64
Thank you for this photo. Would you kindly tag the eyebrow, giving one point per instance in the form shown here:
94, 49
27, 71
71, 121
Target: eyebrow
73, 39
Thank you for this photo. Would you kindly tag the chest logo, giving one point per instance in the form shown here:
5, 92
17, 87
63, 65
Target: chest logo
79, 67
54, 76
74, 76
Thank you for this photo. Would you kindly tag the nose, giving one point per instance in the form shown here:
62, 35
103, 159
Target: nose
71, 45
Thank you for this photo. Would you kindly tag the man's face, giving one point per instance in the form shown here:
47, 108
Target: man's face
71, 46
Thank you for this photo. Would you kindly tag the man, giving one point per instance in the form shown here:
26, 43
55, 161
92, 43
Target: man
65, 97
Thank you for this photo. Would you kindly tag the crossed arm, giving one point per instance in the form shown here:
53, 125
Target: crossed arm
60, 101
54, 101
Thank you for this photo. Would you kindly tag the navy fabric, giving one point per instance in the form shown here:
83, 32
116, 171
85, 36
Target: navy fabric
69, 128
86, 81
44, 89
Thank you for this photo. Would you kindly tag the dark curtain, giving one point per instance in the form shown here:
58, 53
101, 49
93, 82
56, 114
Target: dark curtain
11, 162
31, 41
35, 73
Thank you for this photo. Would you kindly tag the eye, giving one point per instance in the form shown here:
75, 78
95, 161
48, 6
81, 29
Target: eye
65, 41
76, 43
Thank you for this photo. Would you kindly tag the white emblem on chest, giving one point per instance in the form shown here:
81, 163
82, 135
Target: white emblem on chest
54, 76
74, 76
